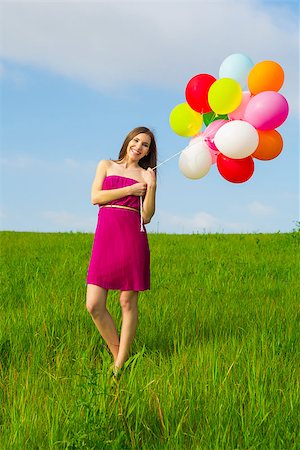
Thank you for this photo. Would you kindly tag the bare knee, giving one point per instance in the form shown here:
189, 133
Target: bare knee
93, 307
95, 300
128, 301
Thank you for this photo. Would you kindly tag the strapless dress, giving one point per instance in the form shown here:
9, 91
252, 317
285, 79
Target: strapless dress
120, 258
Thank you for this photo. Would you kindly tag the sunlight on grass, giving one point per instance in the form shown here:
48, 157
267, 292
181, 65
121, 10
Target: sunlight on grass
215, 362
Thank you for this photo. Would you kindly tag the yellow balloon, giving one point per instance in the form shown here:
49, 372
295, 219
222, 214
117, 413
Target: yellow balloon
224, 95
185, 121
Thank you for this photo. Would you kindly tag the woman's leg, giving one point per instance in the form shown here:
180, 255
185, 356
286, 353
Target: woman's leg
96, 306
128, 301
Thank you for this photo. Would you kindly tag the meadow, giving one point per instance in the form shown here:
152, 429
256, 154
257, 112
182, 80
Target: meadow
215, 363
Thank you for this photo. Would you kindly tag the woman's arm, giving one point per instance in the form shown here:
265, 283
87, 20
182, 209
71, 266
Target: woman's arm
101, 197
149, 200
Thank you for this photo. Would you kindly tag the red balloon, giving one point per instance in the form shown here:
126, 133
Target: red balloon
196, 92
235, 170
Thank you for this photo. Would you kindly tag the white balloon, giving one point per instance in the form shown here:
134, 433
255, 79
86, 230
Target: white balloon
236, 139
195, 161
197, 138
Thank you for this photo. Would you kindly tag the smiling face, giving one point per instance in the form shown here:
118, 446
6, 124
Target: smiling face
138, 147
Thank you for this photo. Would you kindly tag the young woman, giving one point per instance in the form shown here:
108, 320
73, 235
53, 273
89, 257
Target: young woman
125, 192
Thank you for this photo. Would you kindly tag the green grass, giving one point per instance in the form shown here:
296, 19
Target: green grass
215, 362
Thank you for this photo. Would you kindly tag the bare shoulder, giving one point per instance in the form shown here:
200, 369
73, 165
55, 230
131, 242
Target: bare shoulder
101, 170
104, 164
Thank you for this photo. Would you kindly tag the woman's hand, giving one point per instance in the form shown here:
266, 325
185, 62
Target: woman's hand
138, 189
149, 177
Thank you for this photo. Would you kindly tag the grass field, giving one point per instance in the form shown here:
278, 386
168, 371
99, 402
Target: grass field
215, 362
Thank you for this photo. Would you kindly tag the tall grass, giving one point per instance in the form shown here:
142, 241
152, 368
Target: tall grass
215, 362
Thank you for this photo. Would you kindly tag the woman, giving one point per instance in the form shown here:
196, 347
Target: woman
125, 192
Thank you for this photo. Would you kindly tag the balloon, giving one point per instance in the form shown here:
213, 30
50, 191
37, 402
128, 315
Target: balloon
270, 145
196, 92
185, 121
265, 76
212, 116
200, 138
224, 95
195, 161
197, 138
240, 111
236, 139
214, 155
210, 132
237, 67
267, 110
235, 170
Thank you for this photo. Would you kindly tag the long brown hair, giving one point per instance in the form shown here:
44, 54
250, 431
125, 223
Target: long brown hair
150, 160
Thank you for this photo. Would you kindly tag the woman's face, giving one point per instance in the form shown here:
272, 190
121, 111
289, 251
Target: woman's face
138, 147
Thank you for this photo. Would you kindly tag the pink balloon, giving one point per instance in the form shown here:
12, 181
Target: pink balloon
210, 131
266, 110
214, 155
238, 114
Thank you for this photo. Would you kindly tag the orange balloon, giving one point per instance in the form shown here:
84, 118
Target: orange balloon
265, 76
269, 146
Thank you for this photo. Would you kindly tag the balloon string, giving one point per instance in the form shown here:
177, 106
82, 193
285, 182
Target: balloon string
166, 160
173, 156
141, 214
192, 143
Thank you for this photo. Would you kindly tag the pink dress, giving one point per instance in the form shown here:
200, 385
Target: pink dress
120, 256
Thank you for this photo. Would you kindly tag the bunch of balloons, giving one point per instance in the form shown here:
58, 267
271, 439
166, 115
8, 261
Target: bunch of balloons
241, 111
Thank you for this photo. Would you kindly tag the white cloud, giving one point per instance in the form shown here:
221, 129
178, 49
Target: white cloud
18, 162
66, 221
201, 222
111, 44
259, 209
27, 162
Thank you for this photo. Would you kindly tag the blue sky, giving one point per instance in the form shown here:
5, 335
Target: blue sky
77, 76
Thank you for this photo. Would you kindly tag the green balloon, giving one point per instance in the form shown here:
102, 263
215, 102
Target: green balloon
212, 116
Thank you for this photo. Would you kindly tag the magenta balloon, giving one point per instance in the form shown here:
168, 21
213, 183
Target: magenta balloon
210, 131
266, 110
